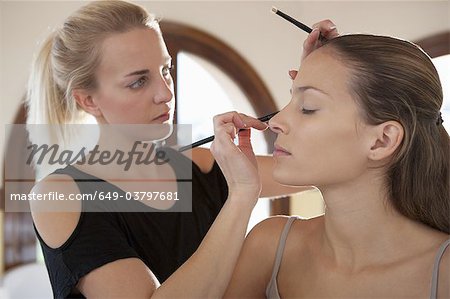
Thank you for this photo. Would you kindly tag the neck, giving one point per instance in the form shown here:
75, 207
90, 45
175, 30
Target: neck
361, 227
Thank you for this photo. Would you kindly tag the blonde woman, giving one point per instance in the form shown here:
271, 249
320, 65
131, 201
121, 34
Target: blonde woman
109, 61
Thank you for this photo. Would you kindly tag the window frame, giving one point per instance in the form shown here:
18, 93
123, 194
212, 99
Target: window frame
183, 38
436, 45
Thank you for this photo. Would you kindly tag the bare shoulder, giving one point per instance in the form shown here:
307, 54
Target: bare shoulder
203, 158
47, 213
307, 228
256, 261
255, 264
128, 277
303, 239
270, 229
262, 241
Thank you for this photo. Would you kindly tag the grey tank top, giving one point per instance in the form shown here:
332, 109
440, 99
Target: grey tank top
272, 288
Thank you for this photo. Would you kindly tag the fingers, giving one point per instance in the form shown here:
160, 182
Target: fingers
244, 139
237, 162
238, 120
327, 28
227, 125
310, 43
251, 122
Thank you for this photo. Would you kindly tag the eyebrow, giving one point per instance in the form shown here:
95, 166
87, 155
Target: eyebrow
141, 72
305, 88
168, 60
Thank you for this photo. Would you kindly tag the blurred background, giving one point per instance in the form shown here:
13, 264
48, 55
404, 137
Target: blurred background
228, 55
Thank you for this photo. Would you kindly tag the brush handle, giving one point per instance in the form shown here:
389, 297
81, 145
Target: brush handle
211, 138
294, 21
298, 24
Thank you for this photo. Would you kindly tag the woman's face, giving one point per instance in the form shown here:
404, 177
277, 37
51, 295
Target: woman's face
321, 135
134, 81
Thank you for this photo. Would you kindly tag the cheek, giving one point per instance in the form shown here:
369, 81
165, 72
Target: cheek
114, 109
123, 102
322, 154
110, 105
286, 173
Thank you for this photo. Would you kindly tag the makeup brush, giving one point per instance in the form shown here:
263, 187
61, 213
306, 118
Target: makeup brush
211, 138
295, 22
291, 20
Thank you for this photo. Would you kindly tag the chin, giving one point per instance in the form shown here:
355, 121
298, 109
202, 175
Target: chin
289, 177
282, 176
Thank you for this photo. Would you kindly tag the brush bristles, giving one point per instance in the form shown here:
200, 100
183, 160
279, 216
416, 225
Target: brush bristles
274, 9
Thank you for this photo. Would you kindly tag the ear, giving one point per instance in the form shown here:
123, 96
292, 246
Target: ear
388, 137
85, 100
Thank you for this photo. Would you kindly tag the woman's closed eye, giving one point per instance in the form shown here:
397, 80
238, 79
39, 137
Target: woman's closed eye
308, 111
138, 83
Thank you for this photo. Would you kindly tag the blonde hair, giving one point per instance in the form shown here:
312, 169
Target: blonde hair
68, 60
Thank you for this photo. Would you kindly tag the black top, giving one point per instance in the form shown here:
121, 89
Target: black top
162, 240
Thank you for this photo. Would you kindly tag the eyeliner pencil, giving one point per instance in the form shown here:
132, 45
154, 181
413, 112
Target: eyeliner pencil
211, 138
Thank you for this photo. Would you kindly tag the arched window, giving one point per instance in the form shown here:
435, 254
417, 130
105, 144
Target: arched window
194, 46
184, 40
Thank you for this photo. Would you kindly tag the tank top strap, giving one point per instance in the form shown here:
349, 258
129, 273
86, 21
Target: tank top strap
435, 275
272, 289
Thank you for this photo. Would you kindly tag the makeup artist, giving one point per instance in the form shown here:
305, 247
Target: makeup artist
109, 60
364, 126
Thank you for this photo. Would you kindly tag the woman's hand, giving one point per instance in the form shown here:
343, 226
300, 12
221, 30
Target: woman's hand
326, 29
238, 163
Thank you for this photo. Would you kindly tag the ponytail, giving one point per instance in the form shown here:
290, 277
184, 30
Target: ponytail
68, 60
44, 97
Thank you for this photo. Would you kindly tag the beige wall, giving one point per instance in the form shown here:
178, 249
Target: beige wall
307, 204
270, 44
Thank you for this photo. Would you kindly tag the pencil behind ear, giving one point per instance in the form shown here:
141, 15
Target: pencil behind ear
388, 137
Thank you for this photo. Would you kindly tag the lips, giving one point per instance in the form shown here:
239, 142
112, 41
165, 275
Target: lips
162, 117
280, 151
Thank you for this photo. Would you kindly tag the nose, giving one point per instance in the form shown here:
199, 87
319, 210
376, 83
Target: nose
164, 92
277, 124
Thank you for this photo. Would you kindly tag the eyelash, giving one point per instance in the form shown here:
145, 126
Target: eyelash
138, 83
306, 111
143, 80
